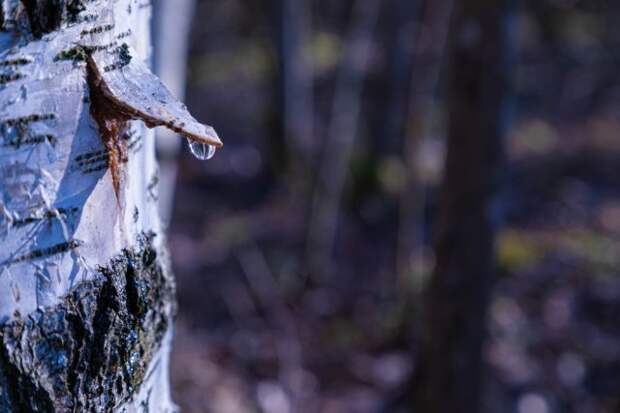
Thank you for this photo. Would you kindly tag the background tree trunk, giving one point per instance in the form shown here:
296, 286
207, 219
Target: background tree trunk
449, 372
172, 21
86, 298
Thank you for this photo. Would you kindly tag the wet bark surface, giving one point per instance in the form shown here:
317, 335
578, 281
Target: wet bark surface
90, 352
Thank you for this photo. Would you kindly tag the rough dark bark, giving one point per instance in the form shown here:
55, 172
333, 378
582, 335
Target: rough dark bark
90, 352
45, 16
449, 373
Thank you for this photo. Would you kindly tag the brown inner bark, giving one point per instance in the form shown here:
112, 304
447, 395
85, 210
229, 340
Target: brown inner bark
112, 123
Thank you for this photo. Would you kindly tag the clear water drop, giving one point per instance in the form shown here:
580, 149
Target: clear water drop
200, 150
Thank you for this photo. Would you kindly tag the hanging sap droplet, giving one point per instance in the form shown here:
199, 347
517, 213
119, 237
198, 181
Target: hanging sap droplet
200, 150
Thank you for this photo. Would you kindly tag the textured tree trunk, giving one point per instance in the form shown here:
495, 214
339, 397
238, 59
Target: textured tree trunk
449, 369
86, 299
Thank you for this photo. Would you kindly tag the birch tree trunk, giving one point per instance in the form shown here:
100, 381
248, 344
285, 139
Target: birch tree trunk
86, 298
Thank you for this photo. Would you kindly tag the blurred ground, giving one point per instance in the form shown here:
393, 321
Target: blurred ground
257, 333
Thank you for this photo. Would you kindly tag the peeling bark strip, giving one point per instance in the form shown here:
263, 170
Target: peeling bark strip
90, 353
112, 111
134, 93
112, 123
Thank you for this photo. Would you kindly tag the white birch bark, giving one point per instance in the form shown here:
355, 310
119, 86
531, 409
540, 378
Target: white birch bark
85, 296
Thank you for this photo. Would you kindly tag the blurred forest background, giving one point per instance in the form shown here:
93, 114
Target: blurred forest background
303, 247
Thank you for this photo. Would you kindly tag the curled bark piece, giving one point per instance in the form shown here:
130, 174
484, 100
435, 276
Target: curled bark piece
134, 92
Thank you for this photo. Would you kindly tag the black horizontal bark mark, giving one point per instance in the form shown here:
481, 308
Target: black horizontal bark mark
91, 351
26, 120
97, 30
29, 141
14, 62
90, 155
46, 252
10, 77
59, 213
